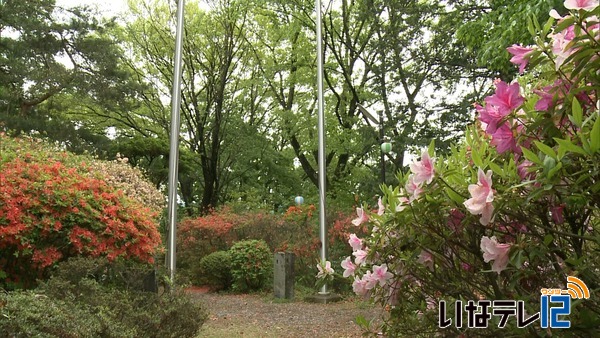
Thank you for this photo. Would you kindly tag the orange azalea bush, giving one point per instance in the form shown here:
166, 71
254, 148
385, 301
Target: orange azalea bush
53, 208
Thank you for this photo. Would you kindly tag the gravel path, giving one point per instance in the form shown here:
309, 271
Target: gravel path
263, 316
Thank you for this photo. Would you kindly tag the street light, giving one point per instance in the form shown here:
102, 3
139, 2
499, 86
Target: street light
299, 200
386, 147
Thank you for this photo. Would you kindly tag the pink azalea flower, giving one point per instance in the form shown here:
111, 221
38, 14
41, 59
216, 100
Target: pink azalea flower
380, 206
431, 304
494, 251
482, 196
348, 266
393, 293
522, 170
504, 139
560, 42
371, 282
507, 97
423, 170
486, 214
546, 98
490, 116
413, 189
557, 214
362, 217
586, 5
553, 13
402, 203
511, 231
380, 274
520, 56
324, 269
355, 242
426, 258
456, 217
361, 256
359, 286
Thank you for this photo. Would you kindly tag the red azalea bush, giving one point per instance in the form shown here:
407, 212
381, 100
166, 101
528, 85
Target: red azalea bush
53, 208
513, 212
201, 236
297, 231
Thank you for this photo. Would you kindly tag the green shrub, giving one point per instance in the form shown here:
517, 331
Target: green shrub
120, 274
201, 236
33, 314
512, 212
88, 303
216, 270
251, 265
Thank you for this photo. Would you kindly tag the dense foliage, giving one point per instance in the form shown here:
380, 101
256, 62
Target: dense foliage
55, 62
95, 298
251, 265
514, 210
248, 92
295, 231
215, 270
53, 206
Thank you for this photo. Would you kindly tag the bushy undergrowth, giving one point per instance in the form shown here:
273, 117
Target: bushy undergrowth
215, 270
251, 265
295, 231
95, 298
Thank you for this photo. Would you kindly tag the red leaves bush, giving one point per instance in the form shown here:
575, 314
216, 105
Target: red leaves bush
297, 231
51, 210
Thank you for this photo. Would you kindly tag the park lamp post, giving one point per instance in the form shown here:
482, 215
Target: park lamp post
174, 144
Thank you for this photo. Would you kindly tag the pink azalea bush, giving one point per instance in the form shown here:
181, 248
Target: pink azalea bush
513, 209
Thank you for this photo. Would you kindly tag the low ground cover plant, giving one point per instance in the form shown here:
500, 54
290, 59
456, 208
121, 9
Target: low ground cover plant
92, 297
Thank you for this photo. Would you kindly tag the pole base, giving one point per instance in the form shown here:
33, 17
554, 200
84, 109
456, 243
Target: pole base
323, 298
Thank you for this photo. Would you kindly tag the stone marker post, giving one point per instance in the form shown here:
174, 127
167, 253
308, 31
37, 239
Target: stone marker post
283, 275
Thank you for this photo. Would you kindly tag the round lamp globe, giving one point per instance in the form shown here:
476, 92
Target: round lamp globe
386, 147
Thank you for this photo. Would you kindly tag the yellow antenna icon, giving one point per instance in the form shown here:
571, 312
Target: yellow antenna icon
577, 288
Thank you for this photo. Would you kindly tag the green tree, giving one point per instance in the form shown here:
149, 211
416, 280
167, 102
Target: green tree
488, 27
229, 144
51, 58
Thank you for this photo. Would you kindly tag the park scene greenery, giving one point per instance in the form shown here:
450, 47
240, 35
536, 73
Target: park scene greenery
491, 189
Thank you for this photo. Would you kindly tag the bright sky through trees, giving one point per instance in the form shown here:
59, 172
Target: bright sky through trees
109, 7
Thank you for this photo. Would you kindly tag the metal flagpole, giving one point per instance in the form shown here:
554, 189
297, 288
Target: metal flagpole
174, 148
322, 173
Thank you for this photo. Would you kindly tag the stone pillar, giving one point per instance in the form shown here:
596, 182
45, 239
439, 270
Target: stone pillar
283, 275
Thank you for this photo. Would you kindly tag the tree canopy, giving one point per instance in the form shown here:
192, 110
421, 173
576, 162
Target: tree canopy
249, 87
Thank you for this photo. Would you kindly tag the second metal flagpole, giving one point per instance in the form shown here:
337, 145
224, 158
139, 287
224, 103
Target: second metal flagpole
174, 147
322, 164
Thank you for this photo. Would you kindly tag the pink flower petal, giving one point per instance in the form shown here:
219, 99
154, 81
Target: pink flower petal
586, 5
362, 217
